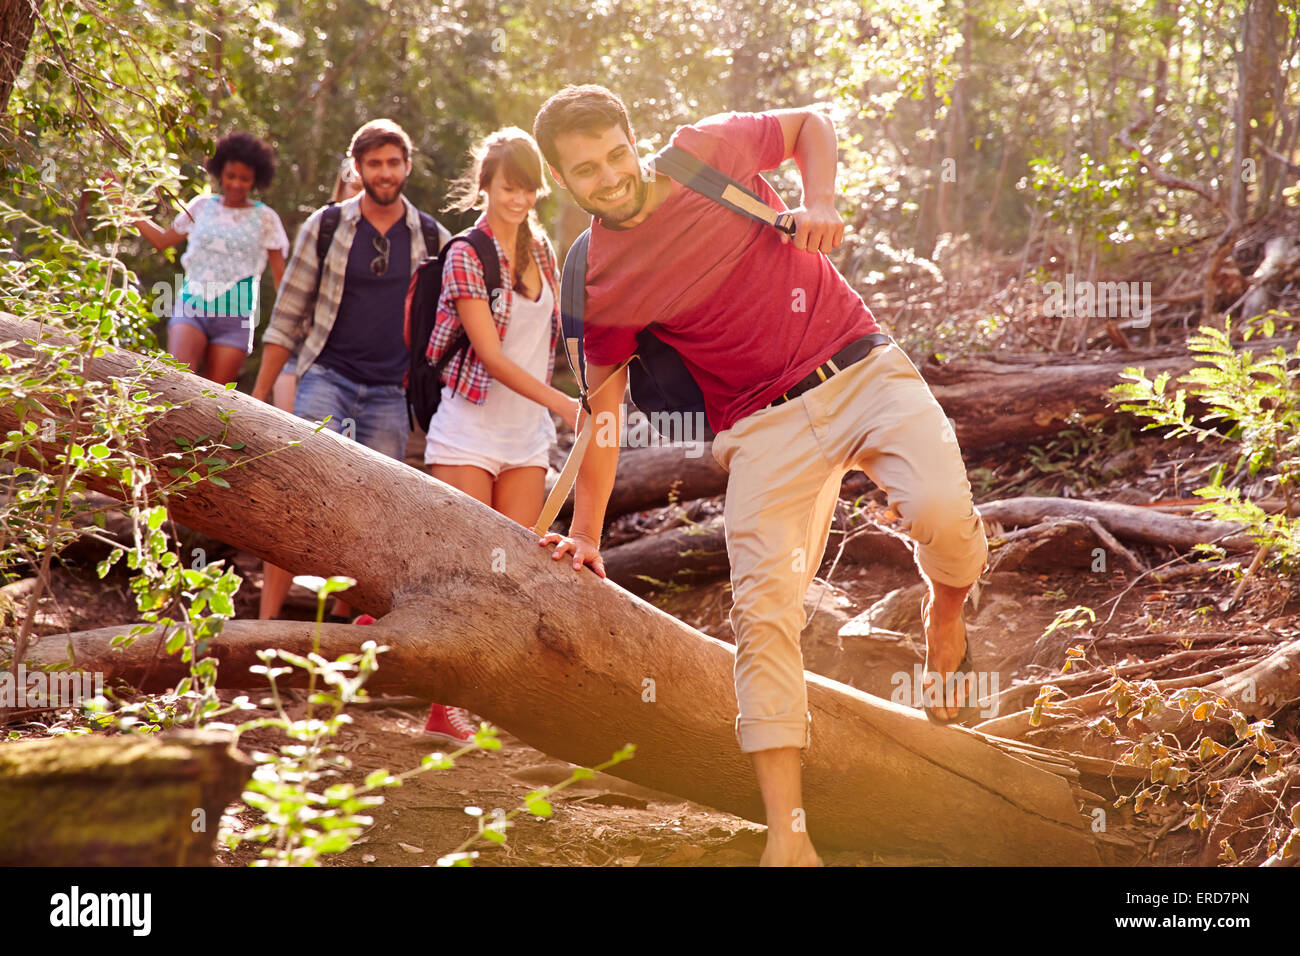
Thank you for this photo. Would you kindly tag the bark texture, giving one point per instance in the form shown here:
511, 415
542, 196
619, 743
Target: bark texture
116, 801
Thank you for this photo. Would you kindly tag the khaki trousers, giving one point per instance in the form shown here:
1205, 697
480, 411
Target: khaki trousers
785, 465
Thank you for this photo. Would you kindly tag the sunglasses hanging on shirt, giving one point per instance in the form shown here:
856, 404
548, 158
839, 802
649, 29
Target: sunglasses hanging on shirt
379, 264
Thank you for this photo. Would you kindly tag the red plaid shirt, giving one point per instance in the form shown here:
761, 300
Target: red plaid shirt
462, 278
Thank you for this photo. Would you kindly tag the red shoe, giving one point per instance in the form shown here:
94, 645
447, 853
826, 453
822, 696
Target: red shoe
451, 724
364, 619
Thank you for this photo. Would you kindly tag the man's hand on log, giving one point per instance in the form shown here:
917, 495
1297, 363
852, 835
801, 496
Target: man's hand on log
584, 550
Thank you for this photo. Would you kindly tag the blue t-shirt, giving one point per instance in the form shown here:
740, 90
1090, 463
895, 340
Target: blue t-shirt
366, 343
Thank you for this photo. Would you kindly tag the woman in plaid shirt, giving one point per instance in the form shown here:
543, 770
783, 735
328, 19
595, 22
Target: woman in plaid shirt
492, 434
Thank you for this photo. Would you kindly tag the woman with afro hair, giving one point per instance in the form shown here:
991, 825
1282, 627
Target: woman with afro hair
230, 239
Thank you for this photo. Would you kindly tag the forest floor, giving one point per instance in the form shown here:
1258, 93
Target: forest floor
1156, 630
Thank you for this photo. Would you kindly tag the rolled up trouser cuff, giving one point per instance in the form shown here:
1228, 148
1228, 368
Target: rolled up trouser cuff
958, 555
767, 733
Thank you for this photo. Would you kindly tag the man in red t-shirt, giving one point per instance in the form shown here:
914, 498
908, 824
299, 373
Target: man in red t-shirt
795, 385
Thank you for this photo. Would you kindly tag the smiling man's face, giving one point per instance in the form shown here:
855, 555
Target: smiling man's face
601, 173
383, 173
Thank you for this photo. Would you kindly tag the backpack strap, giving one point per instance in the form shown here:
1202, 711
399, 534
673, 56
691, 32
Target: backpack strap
329, 224
573, 303
487, 255
699, 176
486, 249
435, 234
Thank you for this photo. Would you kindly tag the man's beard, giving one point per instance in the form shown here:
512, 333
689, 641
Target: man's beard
633, 205
370, 191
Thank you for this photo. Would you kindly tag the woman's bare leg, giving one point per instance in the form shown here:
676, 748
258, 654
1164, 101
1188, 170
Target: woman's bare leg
187, 344
474, 481
520, 493
224, 363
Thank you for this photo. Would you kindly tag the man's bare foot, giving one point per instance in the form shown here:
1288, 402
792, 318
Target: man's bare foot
779, 780
792, 849
945, 646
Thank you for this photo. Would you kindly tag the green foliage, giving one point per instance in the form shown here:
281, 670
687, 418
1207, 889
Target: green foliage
1092, 201
1256, 403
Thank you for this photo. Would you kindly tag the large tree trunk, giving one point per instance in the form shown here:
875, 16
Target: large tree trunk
479, 615
17, 18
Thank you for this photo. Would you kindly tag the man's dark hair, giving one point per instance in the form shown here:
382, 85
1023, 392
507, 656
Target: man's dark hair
247, 149
589, 109
376, 133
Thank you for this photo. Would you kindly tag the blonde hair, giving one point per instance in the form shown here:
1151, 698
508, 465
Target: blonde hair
347, 183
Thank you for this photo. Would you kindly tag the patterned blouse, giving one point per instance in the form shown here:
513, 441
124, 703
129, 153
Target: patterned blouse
462, 278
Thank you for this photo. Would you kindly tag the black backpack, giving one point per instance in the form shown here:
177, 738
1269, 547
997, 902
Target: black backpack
423, 378
659, 380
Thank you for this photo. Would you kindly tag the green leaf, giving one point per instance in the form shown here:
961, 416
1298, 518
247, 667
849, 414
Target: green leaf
381, 778
335, 842
333, 584
538, 805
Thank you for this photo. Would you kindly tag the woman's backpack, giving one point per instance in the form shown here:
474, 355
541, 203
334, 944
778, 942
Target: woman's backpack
423, 378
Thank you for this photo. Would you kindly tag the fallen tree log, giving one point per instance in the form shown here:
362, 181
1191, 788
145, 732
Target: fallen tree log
1021, 398
478, 615
698, 552
117, 801
1129, 522
689, 554
654, 477
993, 402
1057, 543
573, 699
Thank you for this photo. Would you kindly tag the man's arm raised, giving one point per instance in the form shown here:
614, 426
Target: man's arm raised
596, 476
810, 139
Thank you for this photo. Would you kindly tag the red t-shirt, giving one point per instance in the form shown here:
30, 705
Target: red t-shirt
749, 315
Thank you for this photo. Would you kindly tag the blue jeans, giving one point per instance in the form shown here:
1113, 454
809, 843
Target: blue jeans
374, 415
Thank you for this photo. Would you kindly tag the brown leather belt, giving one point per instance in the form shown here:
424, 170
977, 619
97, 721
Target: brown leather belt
853, 352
